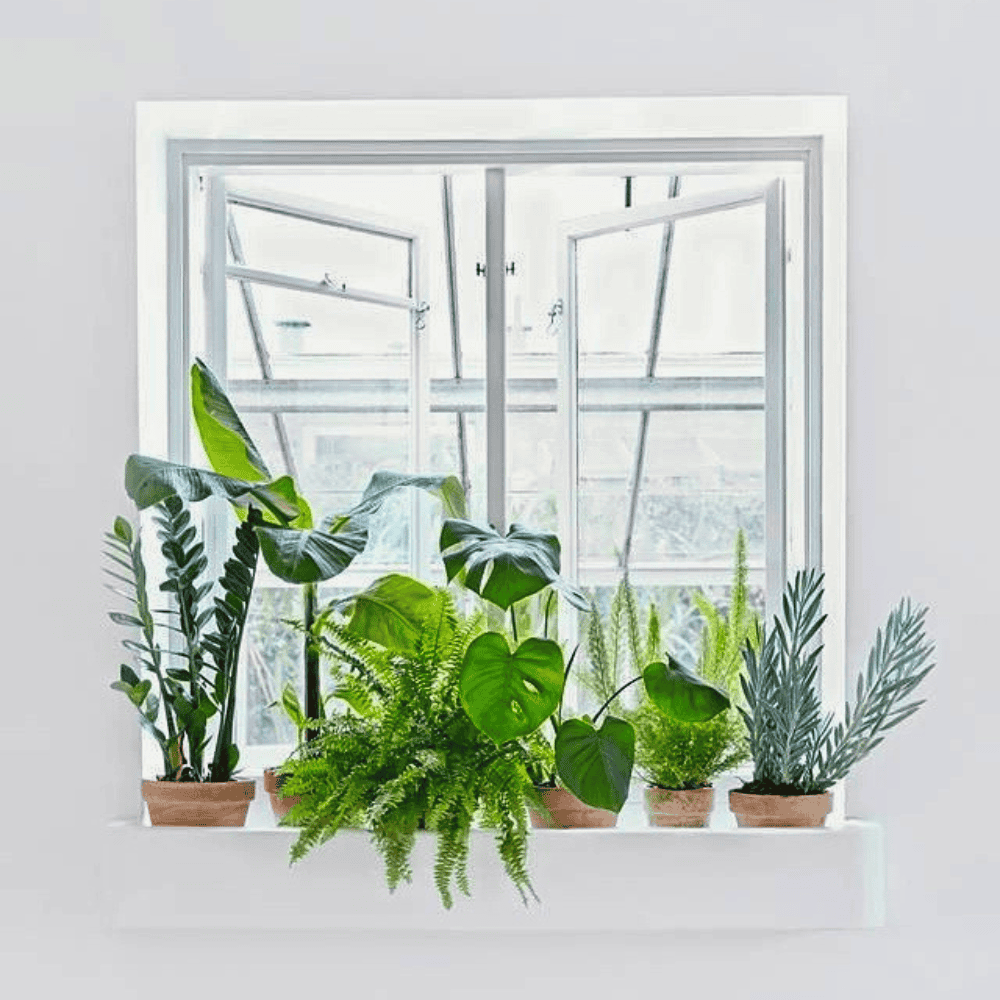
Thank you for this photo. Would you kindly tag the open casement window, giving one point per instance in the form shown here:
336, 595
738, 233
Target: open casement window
314, 319
610, 349
673, 413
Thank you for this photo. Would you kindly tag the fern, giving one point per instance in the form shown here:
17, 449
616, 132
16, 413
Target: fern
411, 759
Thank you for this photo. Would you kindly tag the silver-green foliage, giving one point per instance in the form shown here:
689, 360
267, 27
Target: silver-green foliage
796, 747
406, 757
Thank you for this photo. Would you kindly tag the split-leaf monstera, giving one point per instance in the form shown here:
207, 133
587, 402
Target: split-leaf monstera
504, 569
506, 693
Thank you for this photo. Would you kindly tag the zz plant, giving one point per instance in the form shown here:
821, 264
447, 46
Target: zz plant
798, 749
202, 685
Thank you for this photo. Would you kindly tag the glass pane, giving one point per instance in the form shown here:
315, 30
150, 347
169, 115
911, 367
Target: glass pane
703, 481
317, 336
284, 244
533, 447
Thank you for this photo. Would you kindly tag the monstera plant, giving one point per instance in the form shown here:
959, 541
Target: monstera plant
510, 692
295, 548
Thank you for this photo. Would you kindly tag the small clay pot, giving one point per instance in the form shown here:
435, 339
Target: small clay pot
679, 806
780, 810
565, 810
198, 803
279, 805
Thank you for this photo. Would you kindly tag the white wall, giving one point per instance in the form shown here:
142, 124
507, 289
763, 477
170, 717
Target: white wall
924, 352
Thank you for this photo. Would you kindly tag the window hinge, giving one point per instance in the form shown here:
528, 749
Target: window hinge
554, 313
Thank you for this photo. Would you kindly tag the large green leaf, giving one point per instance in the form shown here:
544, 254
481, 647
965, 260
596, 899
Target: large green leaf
510, 694
149, 481
228, 446
596, 764
504, 569
383, 484
303, 556
392, 612
681, 694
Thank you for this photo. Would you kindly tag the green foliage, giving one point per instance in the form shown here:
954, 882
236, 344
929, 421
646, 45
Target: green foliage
724, 636
796, 747
596, 764
504, 569
674, 754
203, 685
682, 695
510, 693
686, 732
406, 757
391, 612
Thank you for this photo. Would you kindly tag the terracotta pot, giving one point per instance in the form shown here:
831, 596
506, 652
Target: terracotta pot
198, 803
280, 806
780, 810
566, 810
679, 806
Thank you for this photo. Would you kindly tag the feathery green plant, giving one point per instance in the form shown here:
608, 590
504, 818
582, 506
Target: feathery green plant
405, 755
671, 752
796, 747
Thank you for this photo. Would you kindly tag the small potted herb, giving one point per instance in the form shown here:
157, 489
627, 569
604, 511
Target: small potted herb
190, 714
680, 760
798, 751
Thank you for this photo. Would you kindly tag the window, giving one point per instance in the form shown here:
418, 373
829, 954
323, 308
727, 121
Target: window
615, 339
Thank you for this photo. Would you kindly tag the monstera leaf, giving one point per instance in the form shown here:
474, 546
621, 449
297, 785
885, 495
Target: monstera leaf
682, 695
309, 556
504, 569
510, 694
392, 612
596, 764
151, 480
227, 444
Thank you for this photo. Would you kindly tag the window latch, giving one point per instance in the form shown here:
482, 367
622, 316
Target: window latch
481, 269
419, 312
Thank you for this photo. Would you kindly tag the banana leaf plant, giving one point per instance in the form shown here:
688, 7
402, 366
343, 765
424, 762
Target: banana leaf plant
510, 693
293, 546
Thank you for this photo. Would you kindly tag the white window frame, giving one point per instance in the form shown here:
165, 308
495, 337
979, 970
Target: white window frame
174, 137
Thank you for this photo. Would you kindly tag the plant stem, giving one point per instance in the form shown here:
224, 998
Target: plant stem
310, 657
513, 623
628, 684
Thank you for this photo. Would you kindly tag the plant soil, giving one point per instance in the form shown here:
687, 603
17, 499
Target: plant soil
775, 788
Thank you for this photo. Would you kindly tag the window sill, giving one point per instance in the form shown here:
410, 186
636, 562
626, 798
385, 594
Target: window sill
623, 879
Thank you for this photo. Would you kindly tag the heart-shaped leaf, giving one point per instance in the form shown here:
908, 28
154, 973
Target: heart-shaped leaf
682, 695
151, 480
596, 764
510, 694
392, 612
504, 569
309, 556
228, 446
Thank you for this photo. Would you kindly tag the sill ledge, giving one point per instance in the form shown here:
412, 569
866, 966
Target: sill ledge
588, 880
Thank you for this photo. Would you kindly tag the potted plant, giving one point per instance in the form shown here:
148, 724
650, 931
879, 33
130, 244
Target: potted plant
510, 693
293, 546
798, 752
197, 787
680, 760
404, 756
